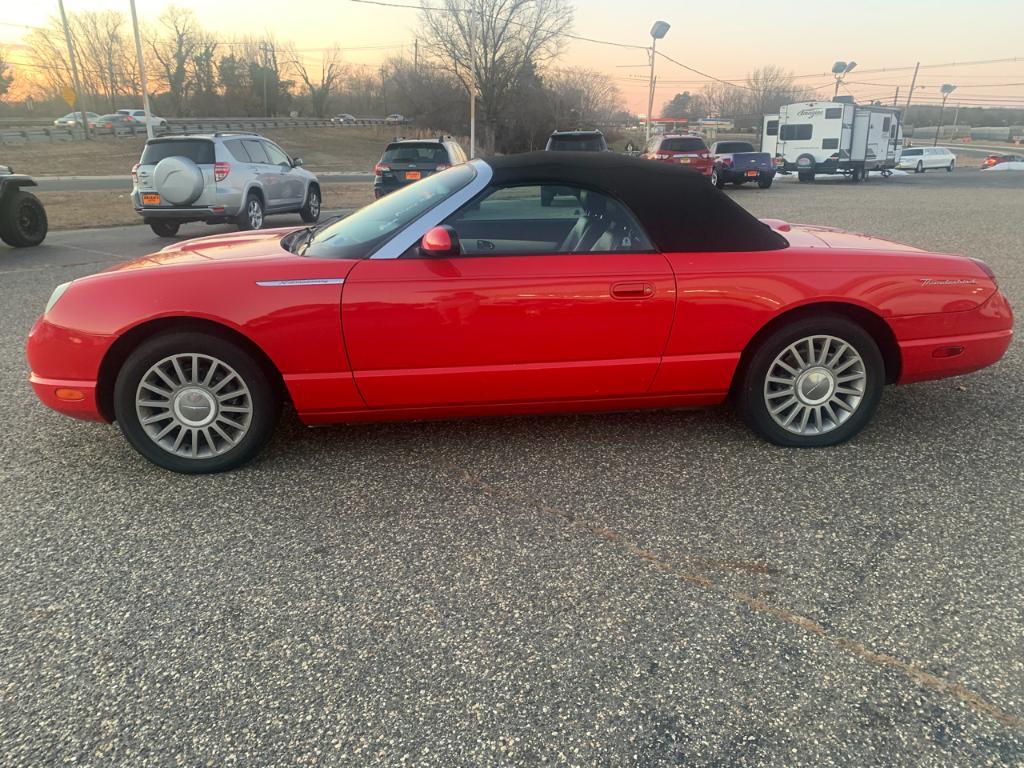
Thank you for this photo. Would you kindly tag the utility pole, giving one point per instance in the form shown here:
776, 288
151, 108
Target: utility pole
265, 50
946, 89
142, 70
658, 31
956, 117
896, 96
416, 55
910, 95
383, 93
74, 69
472, 86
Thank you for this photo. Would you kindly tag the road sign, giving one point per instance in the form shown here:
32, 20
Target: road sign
69, 95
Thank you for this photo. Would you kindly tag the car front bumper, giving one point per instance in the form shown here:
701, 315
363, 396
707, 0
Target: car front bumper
64, 368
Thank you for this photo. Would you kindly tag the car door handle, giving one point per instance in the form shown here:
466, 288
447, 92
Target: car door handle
632, 291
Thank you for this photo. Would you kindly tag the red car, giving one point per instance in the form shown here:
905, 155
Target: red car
463, 295
687, 150
996, 159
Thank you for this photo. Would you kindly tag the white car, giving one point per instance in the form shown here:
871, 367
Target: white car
921, 159
139, 115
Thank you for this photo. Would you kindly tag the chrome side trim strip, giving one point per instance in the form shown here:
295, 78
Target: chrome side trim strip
401, 242
307, 281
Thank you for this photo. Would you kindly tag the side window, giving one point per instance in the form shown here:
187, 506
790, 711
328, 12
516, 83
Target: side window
545, 219
830, 143
796, 131
237, 151
886, 123
773, 128
276, 154
256, 151
833, 113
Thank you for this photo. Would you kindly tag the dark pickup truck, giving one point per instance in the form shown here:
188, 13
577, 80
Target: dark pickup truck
737, 162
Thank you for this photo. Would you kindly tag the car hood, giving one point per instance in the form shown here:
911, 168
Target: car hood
263, 244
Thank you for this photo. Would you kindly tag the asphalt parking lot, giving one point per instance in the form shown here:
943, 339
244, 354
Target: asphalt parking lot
629, 589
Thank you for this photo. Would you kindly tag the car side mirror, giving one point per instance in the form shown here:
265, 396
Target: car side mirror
441, 242
297, 162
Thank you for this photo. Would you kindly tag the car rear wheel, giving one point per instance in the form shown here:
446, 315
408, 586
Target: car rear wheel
165, 228
920, 167
764, 181
195, 403
251, 216
23, 221
816, 382
310, 211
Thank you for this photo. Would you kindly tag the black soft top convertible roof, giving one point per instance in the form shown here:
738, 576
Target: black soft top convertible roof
679, 209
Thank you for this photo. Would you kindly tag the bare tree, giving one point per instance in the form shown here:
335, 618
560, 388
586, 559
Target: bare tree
6, 76
174, 44
771, 87
581, 97
492, 43
318, 86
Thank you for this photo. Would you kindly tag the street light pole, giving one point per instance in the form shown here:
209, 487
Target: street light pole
839, 69
658, 31
74, 69
946, 89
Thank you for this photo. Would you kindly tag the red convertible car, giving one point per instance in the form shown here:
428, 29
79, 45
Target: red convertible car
464, 295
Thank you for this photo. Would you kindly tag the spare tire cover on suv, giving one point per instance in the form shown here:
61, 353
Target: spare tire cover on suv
178, 180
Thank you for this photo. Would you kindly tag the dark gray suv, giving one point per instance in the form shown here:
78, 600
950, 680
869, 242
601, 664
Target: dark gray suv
239, 178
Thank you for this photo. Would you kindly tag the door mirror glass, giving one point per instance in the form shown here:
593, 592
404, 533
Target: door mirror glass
297, 162
440, 242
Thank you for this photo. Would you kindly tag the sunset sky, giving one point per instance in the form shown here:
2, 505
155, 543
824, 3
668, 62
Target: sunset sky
804, 36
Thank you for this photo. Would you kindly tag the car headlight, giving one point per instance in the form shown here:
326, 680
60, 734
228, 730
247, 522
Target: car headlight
55, 296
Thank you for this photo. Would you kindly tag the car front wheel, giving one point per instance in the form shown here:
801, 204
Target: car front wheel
813, 383
195, 403
716, 179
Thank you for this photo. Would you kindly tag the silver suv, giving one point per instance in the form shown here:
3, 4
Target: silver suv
220, 178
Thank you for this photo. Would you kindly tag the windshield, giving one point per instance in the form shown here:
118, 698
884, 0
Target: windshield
730, 147
431, 152
199, 151
583, 143
355, 236
684, 144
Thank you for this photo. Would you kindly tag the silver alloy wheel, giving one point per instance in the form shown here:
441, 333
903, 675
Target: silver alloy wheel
255, 214
194, 406
714, 176
314, 203
815, 384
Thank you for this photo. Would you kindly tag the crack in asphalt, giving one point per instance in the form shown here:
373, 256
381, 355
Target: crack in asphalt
909, 669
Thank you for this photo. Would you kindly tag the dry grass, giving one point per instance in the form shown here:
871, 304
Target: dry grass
113, 208
341, 148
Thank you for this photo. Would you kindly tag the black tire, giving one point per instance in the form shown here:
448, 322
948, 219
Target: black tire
165, 228
857, 174
805, 176
247, 219
952, 164
310, 211
265, 400
920, 167
23, 221
751, 397
547, 196
764, 181
716, 179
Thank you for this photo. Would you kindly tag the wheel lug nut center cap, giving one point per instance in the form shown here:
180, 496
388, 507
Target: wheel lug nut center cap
195, 407
815, 386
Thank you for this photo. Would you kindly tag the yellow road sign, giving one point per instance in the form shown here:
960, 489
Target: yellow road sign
69, 95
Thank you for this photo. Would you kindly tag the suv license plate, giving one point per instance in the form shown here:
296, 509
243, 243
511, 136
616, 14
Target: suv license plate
751, 173
413, 175
150, 198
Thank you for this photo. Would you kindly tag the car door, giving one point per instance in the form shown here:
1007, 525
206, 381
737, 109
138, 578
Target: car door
561, 302
262, 169
289, 181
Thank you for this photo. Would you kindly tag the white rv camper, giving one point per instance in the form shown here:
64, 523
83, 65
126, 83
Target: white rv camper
813, 137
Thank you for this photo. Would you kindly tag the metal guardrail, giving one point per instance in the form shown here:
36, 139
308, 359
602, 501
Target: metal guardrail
44, 132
